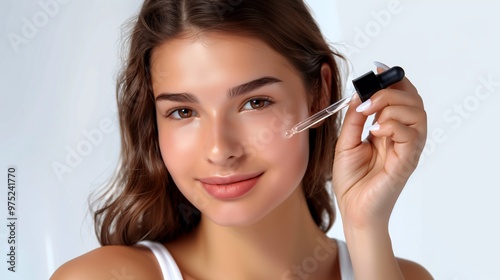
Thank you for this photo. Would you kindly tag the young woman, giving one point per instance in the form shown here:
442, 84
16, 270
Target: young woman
208, 186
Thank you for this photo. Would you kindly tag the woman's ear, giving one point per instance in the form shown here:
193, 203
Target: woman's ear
322, 100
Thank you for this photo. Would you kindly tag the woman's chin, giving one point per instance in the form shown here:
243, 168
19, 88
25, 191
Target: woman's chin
235, 217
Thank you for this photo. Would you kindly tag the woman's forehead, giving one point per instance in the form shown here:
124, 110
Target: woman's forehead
206, 59
215, 48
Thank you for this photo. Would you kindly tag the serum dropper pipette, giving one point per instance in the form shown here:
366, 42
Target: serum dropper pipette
366, 86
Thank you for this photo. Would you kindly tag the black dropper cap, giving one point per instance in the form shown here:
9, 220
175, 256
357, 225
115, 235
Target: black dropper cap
368, 84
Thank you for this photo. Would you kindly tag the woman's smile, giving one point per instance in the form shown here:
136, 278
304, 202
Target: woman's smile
230, 187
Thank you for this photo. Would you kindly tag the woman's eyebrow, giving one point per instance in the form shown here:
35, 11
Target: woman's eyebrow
251, 86
232, 93
177, 97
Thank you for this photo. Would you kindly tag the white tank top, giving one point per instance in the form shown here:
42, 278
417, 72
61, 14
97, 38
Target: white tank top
171, 271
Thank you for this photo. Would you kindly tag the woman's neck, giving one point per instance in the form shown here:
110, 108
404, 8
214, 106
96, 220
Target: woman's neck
268, 249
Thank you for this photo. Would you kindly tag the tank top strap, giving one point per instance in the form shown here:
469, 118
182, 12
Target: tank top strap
168, 267
346, 270
171, 271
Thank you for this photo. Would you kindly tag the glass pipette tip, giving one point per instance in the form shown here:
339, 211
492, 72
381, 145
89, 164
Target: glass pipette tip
319, 116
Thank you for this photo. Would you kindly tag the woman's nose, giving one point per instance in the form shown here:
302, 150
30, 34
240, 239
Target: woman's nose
223, 143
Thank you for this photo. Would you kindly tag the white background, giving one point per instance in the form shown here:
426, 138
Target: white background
57, 90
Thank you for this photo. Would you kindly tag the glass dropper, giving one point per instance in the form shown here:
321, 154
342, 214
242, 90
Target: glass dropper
319, 116
366, 86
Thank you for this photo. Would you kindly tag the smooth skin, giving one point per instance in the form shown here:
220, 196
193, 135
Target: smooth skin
265, 239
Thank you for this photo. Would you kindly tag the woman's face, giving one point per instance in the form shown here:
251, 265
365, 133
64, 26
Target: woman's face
223, 104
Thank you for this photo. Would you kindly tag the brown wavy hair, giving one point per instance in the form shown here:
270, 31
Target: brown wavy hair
142, 201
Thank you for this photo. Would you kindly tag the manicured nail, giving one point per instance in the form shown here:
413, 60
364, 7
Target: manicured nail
381, 65
374, 127
364, 106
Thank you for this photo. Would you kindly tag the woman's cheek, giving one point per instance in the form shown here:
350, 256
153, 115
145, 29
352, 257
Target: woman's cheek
178, 145
265, 136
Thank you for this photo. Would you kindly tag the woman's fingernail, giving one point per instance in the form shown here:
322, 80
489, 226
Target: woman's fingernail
381, 65
364, 106
374, 127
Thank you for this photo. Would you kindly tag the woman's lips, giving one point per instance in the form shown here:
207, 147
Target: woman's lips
230, 187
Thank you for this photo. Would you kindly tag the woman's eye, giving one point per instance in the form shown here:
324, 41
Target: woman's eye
182, 113
257, 103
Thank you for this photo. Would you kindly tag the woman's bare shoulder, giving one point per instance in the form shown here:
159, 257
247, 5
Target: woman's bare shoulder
111, 262
413, 271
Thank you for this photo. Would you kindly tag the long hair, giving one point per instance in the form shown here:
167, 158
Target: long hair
142, 201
